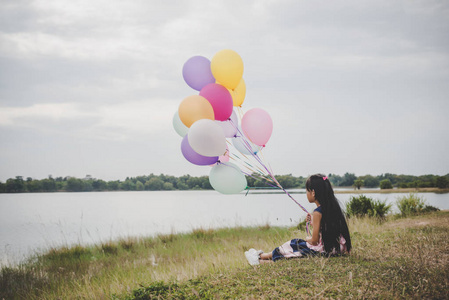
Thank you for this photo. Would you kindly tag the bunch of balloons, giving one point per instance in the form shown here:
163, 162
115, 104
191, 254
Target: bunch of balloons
209, 124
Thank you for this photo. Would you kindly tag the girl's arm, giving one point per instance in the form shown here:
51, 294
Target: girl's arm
316, 222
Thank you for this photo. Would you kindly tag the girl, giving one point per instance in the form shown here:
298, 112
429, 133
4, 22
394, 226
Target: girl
330, 235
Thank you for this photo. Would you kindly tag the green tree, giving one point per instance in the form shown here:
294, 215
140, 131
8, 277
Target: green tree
194, 183
370, 181
168, 186
442, 182
48, 184
142, 179
154, 184
335, 179
386, 184
113, 185
348, 179
75, 185
16, 185
392, 177
182, 186
87, 185
128, 185
289, 181
140, 186
205, 184
99, 185
405, 181
358, 183
34, 186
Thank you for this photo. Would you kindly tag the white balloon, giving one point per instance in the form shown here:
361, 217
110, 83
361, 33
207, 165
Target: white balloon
230, 126
227, 178
245, 147
207, 138
180, 128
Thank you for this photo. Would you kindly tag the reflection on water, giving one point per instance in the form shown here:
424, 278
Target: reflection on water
31, 223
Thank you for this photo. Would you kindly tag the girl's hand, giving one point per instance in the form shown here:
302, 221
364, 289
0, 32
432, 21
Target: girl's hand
309, 217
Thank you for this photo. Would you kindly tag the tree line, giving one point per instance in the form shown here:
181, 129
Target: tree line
161, 182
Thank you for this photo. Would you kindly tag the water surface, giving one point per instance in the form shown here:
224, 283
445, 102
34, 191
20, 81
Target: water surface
32, 223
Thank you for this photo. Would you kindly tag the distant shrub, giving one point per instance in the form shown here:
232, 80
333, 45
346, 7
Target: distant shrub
386, 184
65, 253
128, 244
413, 204
203, 234
442, 182
109, 248
167, 238
361, 205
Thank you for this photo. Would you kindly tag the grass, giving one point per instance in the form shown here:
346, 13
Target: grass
398, 258
351, 190
394, 190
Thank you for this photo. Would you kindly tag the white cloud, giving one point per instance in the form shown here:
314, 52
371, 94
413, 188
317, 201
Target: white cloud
122, 121
104, 72
27, 116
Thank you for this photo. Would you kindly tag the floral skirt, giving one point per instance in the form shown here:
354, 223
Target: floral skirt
293, 249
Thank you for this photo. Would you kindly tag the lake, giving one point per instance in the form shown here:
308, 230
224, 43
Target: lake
33, 223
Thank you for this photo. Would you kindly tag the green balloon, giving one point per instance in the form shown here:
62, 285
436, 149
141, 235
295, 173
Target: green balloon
227, 178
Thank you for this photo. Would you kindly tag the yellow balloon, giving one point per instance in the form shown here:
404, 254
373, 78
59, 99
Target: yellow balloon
227, 68
239, 93
194, 108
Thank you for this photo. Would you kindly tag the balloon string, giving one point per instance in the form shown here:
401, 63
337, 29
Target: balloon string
248, 147
252, 175
256, 172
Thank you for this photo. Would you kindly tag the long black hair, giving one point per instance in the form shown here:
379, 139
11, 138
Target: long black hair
333, 222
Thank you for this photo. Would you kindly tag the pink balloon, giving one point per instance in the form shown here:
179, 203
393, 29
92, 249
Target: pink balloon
225, 157
220, 99
257, 126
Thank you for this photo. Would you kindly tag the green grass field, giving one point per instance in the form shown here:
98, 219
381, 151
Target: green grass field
398, 258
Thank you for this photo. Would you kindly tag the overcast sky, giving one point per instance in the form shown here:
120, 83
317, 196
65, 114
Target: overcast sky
91, 86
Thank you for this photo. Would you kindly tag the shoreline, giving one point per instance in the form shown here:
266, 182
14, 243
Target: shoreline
395, 190
368, 191
342, 190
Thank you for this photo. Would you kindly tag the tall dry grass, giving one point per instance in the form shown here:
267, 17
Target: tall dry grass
117, 267
398, 257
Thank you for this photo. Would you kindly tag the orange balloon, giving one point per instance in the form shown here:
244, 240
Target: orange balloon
194, 108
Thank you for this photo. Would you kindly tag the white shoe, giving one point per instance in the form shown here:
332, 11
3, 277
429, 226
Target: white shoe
252, 256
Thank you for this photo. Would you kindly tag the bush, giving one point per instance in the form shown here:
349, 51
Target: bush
442, 182
380, 209
386, 184
362, 205
412, 205
430, 208
359, 206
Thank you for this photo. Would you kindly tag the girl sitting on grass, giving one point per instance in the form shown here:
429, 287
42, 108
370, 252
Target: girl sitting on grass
330, 235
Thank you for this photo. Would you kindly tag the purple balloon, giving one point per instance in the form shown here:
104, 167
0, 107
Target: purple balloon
194, 157
197, 73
